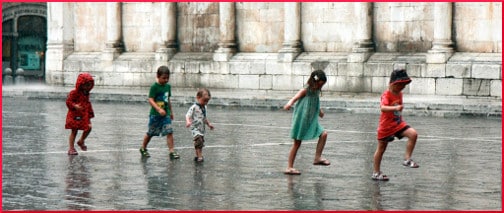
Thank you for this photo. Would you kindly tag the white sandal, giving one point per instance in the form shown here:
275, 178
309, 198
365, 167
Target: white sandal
379, 176
410, 163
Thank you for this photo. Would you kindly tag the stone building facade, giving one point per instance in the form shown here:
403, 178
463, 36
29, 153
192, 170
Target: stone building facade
448, 48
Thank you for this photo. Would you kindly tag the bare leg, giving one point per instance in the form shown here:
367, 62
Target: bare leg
84, 135
380, 149
169, 141
199, 153
292, 154
412, 136
71, 138
320, 147
146, 141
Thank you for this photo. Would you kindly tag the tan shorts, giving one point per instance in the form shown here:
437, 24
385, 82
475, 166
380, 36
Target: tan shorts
199, 142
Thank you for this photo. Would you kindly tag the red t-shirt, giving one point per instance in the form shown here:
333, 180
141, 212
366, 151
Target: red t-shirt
390, 122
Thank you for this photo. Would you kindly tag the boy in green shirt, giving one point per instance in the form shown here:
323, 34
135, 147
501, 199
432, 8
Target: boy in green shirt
159, 121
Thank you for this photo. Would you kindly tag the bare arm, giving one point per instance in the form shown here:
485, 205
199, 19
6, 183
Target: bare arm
207, 122
391, 108
188, 121
171, 111
296, 97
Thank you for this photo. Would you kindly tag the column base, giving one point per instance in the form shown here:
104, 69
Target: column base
224, 54
165, 54
290, 51
358, 57
287, 56
438, 57
110, 54
361, 51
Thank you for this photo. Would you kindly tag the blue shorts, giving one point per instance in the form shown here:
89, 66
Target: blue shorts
159, 125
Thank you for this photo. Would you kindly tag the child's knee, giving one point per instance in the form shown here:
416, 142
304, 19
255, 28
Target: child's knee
324, 135
412, 134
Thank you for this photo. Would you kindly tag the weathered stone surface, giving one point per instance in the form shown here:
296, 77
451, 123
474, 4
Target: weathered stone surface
402, 36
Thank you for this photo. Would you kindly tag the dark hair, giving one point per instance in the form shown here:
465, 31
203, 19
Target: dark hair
202, 91
163, 70
399, 76
316, 76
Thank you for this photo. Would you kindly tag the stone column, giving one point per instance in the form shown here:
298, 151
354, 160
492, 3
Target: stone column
442, 46
113, 46
168, 44
60, 39
227, 27
292, 45
363, 45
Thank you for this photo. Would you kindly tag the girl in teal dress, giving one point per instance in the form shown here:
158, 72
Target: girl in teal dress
305, 125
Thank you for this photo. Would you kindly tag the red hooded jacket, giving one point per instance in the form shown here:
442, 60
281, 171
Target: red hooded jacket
80, 119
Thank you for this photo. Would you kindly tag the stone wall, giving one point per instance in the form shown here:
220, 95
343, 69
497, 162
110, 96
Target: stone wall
198, 26
259, 26
403, 27
402, 36
478, 27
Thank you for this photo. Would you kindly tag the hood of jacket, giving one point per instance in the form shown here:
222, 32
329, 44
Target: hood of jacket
82, 79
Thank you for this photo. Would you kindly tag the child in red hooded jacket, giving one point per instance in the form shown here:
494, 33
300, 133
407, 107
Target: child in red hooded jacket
80, 111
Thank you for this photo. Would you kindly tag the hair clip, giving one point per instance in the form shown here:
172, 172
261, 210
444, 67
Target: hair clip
316, 78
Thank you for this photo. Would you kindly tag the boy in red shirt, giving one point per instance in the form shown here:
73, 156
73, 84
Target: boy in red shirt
392, 125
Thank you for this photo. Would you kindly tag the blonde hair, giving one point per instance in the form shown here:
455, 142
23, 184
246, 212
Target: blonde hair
202, 91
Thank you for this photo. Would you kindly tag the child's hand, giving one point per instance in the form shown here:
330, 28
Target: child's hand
287, 106
211, 126
187, 124
399, 107
321, 113
77, 107
161, 112
171, 116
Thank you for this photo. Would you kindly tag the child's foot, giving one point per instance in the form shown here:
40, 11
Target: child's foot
144, 152
322, 162
82, 146
199, 159
379, 176
410, 163
72, 152
292, 171
174, 155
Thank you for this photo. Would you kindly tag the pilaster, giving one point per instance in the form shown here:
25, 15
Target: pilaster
168, 44
60, 40
113, 46
292, 45
363, 46
227, 26
442, 46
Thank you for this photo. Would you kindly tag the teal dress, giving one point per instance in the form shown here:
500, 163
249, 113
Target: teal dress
305, 123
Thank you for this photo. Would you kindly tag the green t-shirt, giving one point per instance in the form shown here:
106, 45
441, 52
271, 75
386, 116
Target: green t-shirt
161, 95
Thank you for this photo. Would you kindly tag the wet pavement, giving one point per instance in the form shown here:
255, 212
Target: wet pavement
460, 163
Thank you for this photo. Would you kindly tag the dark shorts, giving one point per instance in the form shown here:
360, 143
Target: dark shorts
397, 135
159, 125
199, 142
